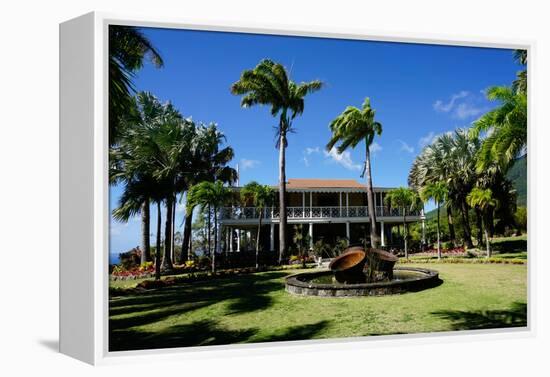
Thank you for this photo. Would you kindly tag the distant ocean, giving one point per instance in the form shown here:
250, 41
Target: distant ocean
114, 258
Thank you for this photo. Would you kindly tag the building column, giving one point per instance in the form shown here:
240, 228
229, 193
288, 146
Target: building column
347, 204
231, 239
310, 204
219, 239
272, 238
340, 203
382, 236
238, 239
311, 235
303, 204
347, 232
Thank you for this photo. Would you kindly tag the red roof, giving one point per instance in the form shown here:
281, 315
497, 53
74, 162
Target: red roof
306, 183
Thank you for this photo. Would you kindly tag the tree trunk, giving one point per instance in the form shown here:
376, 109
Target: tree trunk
167, 260
438, 237
490, 224
282, 197
370, 200
479, 228
488, 243
157, 253
452, 233
145, 232
258, 238
466, 224
208, 225
405, 234
185, 249
173, 231
215, 240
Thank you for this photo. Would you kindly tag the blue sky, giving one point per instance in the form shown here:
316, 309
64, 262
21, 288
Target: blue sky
418, 91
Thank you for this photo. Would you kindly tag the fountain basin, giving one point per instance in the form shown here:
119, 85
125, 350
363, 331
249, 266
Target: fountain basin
322, 284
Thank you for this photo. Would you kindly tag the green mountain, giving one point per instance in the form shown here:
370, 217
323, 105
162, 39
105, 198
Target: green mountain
518, 175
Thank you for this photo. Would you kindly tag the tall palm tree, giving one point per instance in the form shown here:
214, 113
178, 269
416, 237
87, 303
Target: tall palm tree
208, 162
126, 167
408, 201
506, 126
128, 48
269, 84
213, 196
349, 129
262, 197
483, 199
450, 158
438, 193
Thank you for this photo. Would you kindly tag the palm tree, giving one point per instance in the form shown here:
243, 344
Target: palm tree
408, 201
438, 193
506, 126
213, 196
349, 129
208, 162
269, 84
128, 48
520, 83
261, 197
483, 199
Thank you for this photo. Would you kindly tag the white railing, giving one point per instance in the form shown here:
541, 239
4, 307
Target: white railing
244, 213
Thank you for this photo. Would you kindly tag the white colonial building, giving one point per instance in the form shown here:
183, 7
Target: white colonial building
328, 208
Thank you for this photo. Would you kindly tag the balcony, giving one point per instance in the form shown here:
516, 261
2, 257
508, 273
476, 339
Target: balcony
248, 213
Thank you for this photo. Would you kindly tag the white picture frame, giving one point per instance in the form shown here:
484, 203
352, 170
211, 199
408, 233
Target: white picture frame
84, 217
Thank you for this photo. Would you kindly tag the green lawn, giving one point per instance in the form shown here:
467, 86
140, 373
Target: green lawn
256, 308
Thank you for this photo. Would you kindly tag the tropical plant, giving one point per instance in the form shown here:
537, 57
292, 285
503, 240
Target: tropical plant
408, 201
207, 162
506, 128
214, 196
269, 84
450, 158
520, 83
483, 199
128, 48
350, 128
438, 193
261, 196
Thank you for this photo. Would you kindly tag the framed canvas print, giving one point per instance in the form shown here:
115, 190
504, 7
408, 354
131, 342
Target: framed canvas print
237, 186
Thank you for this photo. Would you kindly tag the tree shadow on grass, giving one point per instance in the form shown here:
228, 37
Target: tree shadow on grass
197, 333
511, 246
516, 316
301, 332
244, 293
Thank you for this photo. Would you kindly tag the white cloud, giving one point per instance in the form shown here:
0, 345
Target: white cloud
343, 159
462, 105
406, 147
426, 140
466, 110
245, 164
308, 152
440, 106
375, 147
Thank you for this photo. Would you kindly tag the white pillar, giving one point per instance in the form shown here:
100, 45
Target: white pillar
340, 203
272, 238
347, 204
310, 204
238, 240
231, 239
382, 237
303, 203
311, 235
347, 231
219, 239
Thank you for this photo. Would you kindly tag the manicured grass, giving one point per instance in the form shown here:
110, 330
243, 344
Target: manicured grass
256, 308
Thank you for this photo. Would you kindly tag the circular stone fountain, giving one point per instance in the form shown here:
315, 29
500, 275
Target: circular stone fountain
360, 272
